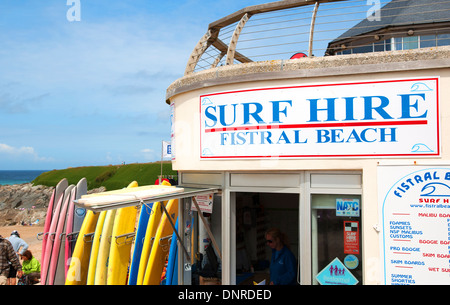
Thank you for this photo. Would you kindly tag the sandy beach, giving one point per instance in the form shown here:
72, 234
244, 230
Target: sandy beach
28, 234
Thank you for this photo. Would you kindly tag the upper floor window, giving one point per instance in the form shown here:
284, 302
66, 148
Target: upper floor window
401, 43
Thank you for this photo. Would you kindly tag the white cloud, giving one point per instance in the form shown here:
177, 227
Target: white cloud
148, 154
21, 152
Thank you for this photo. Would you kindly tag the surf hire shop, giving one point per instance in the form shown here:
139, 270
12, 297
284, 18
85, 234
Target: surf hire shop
354, 170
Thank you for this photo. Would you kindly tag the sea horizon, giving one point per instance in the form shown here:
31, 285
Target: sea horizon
11, 177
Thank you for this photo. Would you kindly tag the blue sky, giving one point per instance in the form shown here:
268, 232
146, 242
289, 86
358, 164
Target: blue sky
92, 92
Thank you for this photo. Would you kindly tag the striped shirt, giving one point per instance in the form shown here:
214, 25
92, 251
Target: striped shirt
7, 255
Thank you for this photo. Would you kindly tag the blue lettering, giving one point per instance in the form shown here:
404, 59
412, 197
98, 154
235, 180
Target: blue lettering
254, 114
240, 138
297, 138
222, 114
354, 135
363, 135
283, 137
276, 110
329, 109
223, 138
251, 137
210, 116
336, 136
349, 108
384, 134
369, 108
267, 137
405, 186
418, 179
323, 136
406, 106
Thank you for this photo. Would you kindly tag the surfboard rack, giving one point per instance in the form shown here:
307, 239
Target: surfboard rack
167, 244
127, 238
88, 238
71, 237
51, 236
180, 192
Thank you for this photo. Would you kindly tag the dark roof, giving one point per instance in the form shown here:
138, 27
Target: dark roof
403, 12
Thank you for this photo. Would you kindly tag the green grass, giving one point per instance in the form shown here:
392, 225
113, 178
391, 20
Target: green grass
112, 177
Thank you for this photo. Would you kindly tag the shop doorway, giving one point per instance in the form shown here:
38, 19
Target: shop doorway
255, 214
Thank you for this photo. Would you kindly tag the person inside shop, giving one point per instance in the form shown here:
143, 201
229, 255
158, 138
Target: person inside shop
283, 265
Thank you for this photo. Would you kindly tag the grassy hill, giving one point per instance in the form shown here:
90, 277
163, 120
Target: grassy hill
112, 177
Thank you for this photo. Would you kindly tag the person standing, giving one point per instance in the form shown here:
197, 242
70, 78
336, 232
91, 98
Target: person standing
18, 244
8, 257
283, 266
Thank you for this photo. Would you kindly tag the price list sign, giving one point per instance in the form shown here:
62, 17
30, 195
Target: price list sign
414, 203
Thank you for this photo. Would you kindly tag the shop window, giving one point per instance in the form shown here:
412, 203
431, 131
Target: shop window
336, 239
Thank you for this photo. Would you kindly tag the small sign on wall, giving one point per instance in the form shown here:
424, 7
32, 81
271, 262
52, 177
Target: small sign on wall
205, 203
347, 207
351, 237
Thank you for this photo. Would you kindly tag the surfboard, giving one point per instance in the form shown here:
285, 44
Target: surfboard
101, 199
120, 252
58, 191
56, 274
172, 262
71, 228
79, 262
80, 213
152, 226
51, 238
103, 248
127, 191
95, 248
158, 253
144, 217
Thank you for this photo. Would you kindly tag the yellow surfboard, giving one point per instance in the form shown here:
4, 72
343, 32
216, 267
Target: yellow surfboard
158, 252
79, 263
152, 226
103, 249
120, 251
95, 248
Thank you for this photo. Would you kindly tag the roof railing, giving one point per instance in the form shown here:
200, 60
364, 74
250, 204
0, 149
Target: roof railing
278, 30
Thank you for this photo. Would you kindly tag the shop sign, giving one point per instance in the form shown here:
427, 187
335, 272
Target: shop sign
335, 273
386, 118
414, 203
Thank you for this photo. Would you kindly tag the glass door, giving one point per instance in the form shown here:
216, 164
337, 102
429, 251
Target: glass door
336, 239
